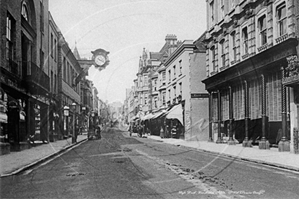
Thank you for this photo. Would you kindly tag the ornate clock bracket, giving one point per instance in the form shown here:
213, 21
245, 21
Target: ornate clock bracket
86, 64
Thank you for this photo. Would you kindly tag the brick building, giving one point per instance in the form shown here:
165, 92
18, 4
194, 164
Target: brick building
25, 82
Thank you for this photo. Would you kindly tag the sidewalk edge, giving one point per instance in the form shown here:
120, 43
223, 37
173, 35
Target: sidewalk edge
252, 160
237, 157
42, 159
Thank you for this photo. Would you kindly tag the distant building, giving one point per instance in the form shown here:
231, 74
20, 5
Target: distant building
147, 75
185, 69
69, 92
54, 35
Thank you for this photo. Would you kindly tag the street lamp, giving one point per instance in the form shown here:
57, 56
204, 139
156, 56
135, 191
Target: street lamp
66, 114
74, 117
83, 118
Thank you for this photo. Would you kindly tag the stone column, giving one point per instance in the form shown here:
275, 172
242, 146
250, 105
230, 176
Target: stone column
246, 142
230, 141
264, 143
210, 110
284, 144
219, 140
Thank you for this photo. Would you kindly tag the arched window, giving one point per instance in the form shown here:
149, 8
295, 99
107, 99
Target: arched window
24, 11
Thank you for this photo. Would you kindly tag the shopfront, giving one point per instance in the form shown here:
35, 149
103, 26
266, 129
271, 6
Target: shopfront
291, 81
256, 101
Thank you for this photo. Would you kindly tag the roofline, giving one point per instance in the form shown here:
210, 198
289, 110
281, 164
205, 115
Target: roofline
178, 51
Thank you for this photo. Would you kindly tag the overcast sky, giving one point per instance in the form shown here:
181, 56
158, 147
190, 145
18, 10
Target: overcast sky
124, 28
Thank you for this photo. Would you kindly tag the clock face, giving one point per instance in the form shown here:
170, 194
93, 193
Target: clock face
100, 60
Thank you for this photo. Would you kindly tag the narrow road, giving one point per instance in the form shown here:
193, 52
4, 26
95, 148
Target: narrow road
119, 166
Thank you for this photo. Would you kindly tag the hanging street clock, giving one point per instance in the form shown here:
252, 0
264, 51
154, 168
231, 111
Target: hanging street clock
100, 58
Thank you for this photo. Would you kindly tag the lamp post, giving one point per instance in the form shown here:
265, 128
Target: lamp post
93, 118
83, 118
183, 118
66, 114
74, 117
182, 102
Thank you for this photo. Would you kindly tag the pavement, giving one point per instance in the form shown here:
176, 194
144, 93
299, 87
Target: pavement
271, 157
16, 162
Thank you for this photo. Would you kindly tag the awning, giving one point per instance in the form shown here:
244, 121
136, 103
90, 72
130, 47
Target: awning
175, 113
159, 114
140, 114
147, 117
3, 117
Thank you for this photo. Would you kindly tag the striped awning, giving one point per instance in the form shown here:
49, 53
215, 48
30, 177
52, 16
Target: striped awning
175, 113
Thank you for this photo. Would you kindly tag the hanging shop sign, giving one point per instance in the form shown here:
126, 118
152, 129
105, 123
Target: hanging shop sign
291, 71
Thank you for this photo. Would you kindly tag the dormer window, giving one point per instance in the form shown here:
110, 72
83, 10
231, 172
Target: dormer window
24, 11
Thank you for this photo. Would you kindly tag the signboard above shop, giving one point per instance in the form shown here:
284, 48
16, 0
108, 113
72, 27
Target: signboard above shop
199, 95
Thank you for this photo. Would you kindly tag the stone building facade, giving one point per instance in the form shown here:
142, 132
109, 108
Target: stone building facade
185, 69
252, 72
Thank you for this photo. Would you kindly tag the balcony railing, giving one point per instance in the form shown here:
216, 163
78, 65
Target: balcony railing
282, 38
14, 68
37, 76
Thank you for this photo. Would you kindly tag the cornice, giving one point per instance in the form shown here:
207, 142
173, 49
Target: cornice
178, 51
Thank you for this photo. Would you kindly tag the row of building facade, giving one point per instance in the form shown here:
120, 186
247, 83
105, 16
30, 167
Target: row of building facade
38, 72
237, 83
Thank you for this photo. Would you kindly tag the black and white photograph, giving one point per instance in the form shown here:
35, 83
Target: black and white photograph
149, 99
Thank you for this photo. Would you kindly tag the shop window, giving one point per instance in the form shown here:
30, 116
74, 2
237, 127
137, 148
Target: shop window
225, 105
255, 98
238, 101
273, 95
